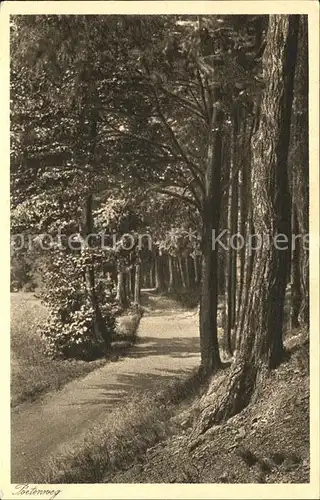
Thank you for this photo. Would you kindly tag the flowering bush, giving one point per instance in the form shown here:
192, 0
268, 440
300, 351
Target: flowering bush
69, 331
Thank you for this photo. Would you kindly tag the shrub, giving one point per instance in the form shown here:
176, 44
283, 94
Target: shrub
20, 272
29, 287
69, 329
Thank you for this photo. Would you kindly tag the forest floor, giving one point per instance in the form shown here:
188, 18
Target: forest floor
167, 350
32, 373
268, 442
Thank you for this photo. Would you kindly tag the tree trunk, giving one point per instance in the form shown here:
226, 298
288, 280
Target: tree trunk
210, 356
244, 196
147, 274
261, 347
181, 272
171, 286
247, 229
159, 272
221, 274
187, 268
196, 269
152, 273
270, 192
228, 272
137, 283
100, 331
296, 297
300, 162
231, 261
132, 281
127, 287
121, 289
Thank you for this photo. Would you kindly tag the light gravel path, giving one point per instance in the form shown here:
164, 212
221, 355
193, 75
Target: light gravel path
167, 348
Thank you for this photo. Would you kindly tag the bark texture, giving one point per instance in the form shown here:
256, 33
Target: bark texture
299, 160
210, 356
121, 288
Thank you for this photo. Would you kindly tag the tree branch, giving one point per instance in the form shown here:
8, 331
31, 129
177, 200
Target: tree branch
192, 166
185, 103
203, 95
194, 194
179, 196
157, 144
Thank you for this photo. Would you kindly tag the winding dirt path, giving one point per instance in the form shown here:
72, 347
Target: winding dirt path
167, 349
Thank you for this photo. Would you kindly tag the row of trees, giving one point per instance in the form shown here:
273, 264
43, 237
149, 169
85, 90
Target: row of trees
168, 123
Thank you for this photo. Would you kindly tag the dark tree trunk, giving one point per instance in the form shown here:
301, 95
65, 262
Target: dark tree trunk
222, 253
187, 268
164, 270
270, 192
228, 272
137, 283
244, 196
247, 230
231, 261
261, 347
196, 269
210, 356
146, 274
132, 281
246, 283
221, 273
100, 331
300, 162
296, 296
234, 222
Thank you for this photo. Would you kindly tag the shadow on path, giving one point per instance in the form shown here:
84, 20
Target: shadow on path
174, 347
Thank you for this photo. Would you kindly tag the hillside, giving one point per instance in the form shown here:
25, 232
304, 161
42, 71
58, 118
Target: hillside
266, 443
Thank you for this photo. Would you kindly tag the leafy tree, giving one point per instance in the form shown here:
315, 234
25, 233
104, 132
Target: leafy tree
54, 157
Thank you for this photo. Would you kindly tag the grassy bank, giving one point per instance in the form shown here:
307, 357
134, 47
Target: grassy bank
32, 372
124, 437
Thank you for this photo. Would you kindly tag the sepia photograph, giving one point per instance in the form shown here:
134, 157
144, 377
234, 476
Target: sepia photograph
160, 269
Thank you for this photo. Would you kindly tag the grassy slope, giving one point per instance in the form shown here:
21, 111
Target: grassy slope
148, 441
266, 443
32, 372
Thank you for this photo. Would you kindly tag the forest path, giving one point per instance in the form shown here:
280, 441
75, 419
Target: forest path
167, 348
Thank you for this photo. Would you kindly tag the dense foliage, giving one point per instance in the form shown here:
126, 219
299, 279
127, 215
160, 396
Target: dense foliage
130, 124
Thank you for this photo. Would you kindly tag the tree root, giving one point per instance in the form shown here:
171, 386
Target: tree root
233, 397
